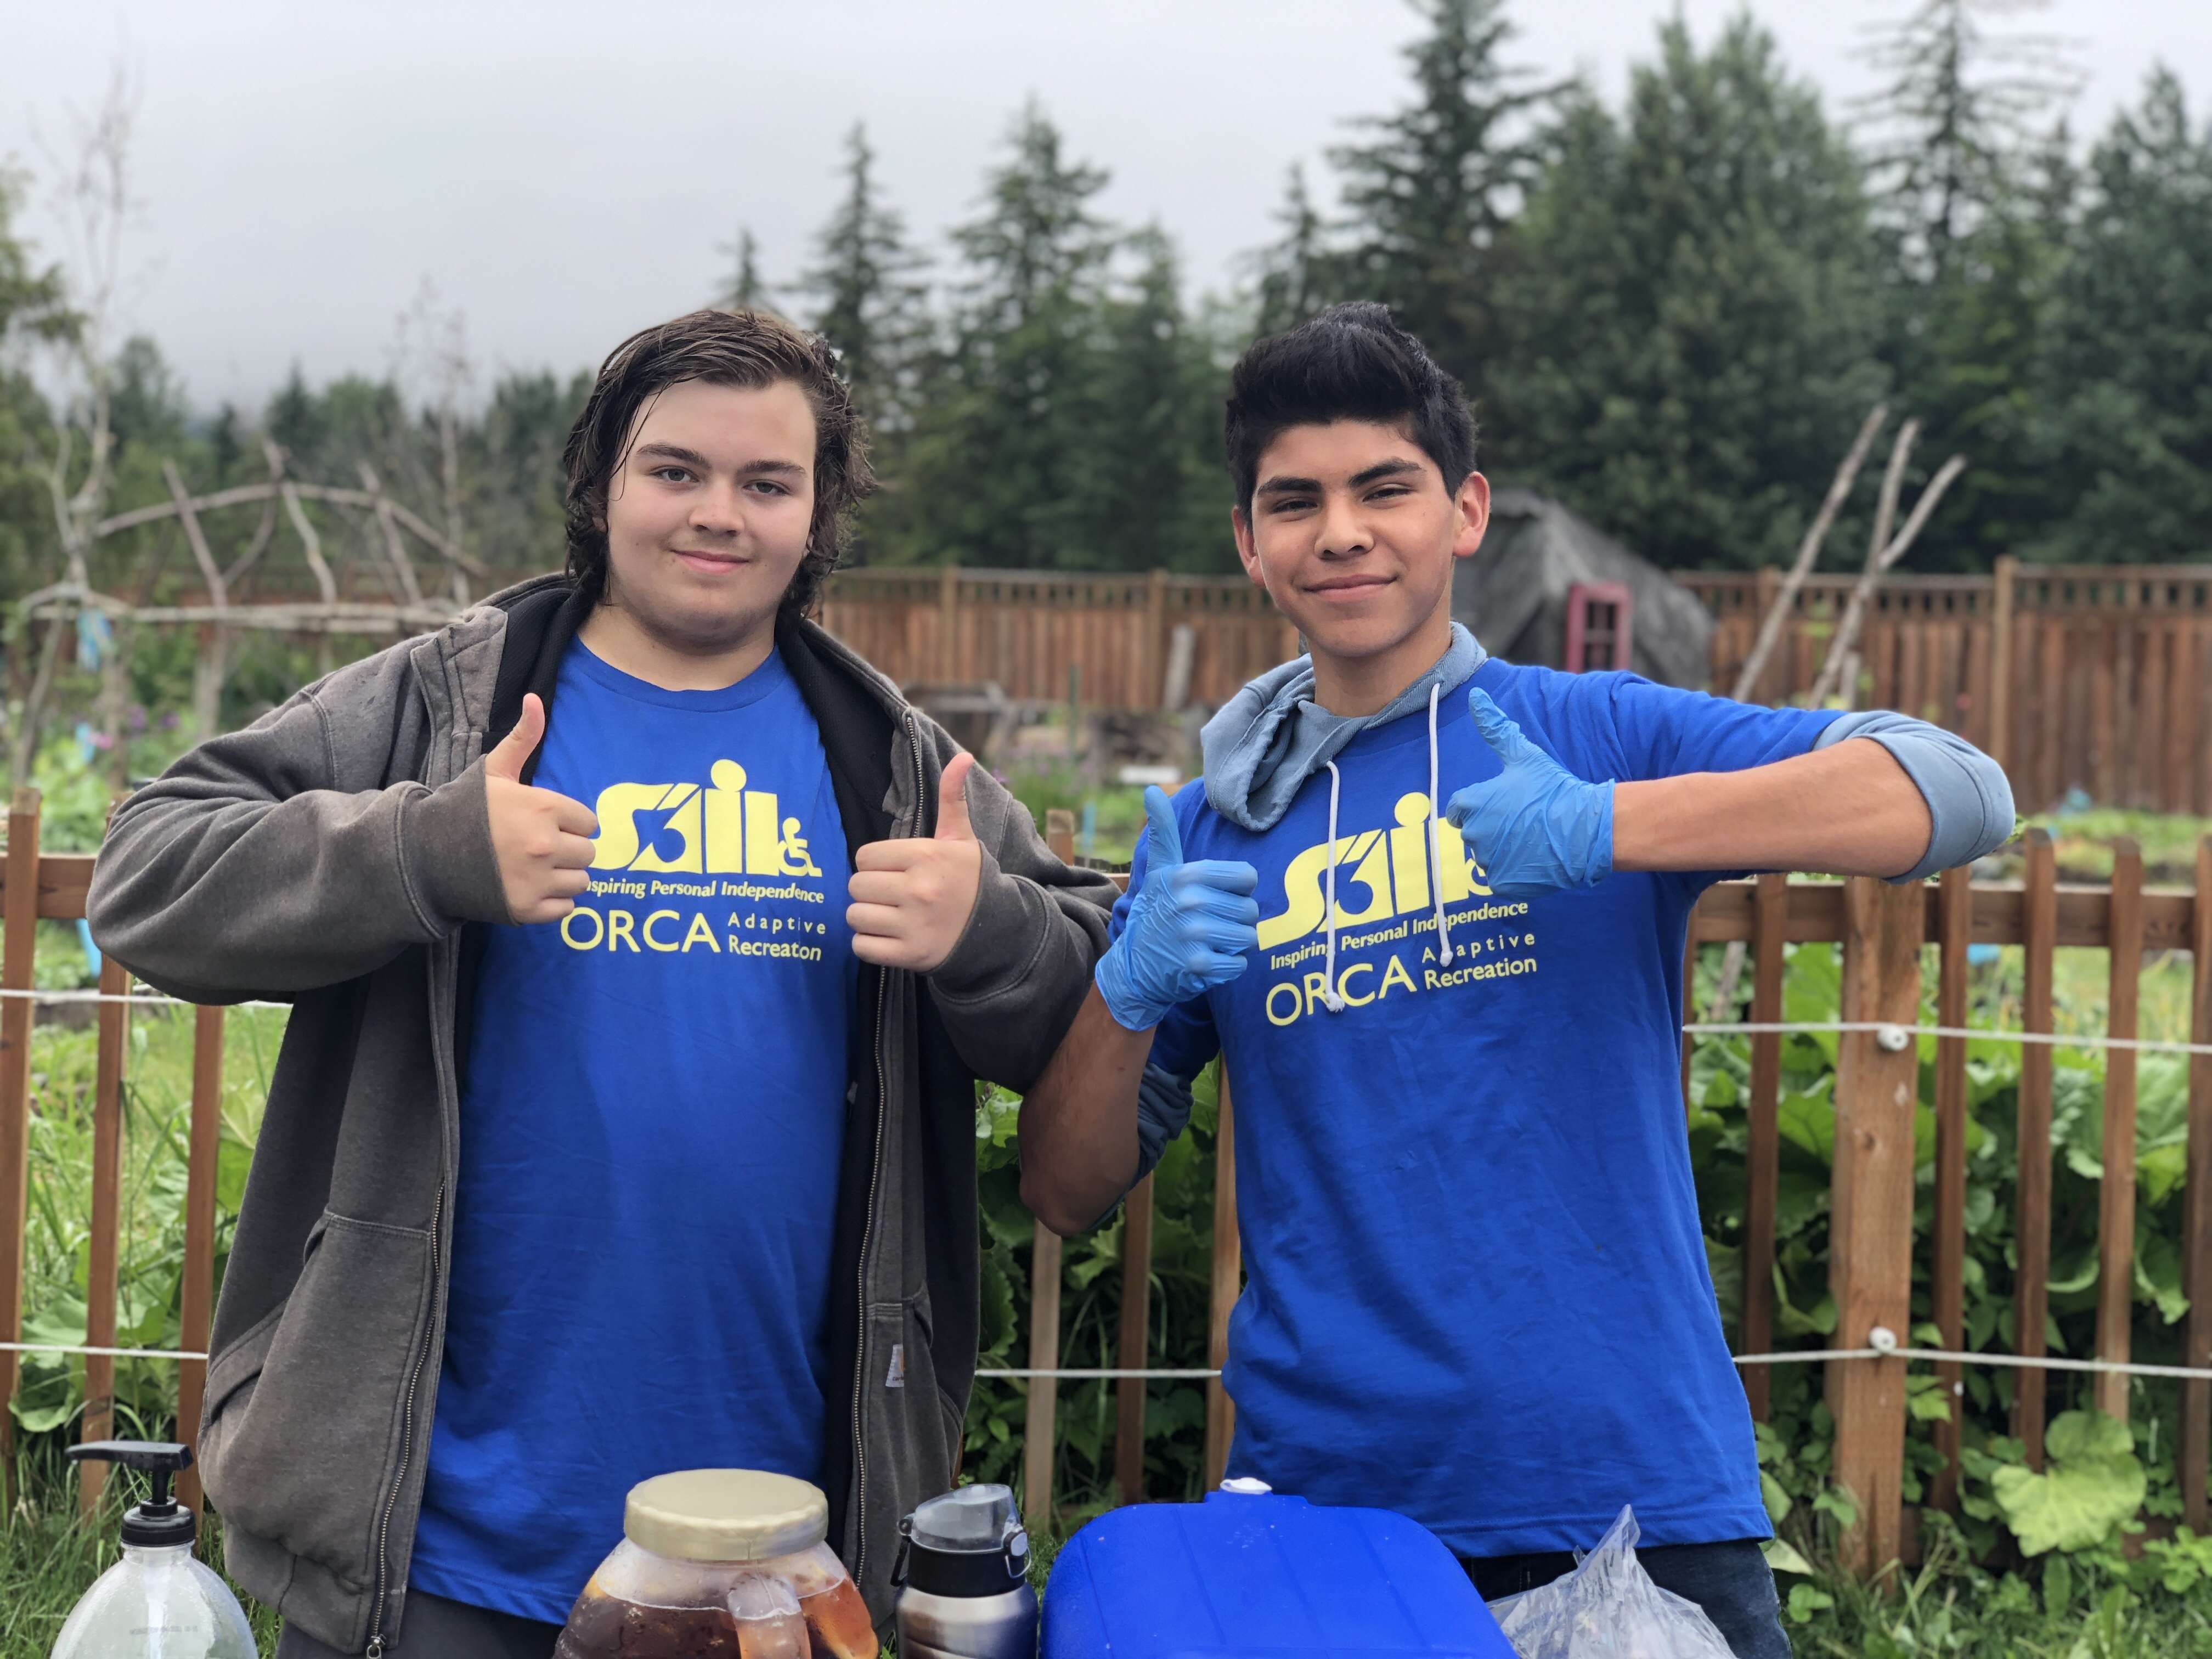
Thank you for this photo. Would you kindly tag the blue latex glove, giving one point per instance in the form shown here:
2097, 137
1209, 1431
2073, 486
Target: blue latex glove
1189, 928
1535, 828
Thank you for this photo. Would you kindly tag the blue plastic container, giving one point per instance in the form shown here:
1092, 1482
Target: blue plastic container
1259, 1575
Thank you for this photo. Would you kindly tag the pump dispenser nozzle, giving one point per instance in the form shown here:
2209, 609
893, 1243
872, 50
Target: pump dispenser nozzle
160, 1520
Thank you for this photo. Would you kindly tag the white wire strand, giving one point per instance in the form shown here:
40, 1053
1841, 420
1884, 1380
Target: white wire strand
134, 999
1699, 1028
112, 1353
2053, 1039
1794, 1356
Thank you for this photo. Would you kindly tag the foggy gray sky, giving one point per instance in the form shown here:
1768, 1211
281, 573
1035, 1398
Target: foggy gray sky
564, 172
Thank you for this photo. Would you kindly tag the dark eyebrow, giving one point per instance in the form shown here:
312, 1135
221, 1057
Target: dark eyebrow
674, 452
1397, 466
692, 457
1390, 469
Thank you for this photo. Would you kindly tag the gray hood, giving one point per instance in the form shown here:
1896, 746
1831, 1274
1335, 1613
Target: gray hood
1271, 737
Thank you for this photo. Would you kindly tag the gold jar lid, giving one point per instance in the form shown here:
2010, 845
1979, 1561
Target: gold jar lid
726, 1515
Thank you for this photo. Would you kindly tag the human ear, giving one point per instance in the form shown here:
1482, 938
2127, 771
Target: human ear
1470, 515
1248, 550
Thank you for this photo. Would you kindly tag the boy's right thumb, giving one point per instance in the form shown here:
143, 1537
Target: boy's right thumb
513, 752
1167, 835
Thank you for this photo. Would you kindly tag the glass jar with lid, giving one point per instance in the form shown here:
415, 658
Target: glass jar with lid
721, 1564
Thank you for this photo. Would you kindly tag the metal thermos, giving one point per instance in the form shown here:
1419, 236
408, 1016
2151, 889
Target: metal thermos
962, 1578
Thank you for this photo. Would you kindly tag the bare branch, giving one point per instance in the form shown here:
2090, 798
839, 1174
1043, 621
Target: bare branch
1770, 628
265, 531
337, 495
1842, 650
310, 543
395, 550
217, 594
1892, 481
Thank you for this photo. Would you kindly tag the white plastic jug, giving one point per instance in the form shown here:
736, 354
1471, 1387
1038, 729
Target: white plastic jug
157, 1602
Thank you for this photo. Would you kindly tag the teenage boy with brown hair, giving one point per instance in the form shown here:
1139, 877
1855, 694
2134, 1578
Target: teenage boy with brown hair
1429, 907
643, 947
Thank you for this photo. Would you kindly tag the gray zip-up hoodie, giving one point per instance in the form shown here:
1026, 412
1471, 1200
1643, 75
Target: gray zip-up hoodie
338, 853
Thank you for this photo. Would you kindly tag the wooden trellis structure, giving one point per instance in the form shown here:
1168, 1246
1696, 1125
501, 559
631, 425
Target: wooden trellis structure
411, 596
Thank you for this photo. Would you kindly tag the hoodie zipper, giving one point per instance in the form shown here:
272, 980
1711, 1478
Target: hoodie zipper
868, 1228
406, 1452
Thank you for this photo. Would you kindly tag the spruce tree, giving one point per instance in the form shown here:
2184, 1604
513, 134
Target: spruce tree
995, 470
1299, 273
867, 292
1697, 305
2130, 417
1966, 101
744, 291
1432, 190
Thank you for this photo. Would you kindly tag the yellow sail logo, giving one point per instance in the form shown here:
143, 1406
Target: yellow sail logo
1396, 867
725, 828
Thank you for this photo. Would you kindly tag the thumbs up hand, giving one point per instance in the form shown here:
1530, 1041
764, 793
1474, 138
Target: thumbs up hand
912, 898
1535, 828
1189, 928
542, 839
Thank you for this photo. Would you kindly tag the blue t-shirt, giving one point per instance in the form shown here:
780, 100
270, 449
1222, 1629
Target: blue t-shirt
651, 1128
1478, 1292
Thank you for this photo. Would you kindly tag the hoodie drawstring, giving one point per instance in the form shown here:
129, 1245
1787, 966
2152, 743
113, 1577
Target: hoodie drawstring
1436, 812
1329, 999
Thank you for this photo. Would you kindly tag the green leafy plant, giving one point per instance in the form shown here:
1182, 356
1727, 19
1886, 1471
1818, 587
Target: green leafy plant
2090, 1484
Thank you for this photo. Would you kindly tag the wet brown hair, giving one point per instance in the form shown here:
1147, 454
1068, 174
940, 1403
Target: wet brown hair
722, 348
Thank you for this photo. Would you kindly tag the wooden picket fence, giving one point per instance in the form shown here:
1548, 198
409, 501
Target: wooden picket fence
2096, 677
1882, 930
1027, 631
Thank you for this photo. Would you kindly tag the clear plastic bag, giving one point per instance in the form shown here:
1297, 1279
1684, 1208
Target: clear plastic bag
1608, 1608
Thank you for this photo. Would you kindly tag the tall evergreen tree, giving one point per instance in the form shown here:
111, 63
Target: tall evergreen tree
995, 469
2129, 425
868, 298
1965, 102
1300, 273
1696, 308
744, 291
1433, 188
33, 305
1154, 475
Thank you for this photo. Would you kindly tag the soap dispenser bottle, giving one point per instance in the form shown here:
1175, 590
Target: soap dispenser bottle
157, 1602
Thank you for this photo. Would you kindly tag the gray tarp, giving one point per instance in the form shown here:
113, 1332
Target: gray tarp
1513, 593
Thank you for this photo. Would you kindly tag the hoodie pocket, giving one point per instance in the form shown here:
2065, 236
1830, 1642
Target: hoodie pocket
913, 1443
305, 1413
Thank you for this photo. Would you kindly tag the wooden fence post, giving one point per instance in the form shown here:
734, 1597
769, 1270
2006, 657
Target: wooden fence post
1769, 910
1151, 688
19, 910
100, 1275
2196, 1449
2001, 649
1947, 1270
1870, 1229
1129, 1392
2116, 1193
948, 625
206, 1144
1228, 1282
1041, 1421
2032, 1213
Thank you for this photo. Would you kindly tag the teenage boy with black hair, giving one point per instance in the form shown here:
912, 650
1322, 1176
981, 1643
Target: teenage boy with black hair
643, 948
1430, 908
